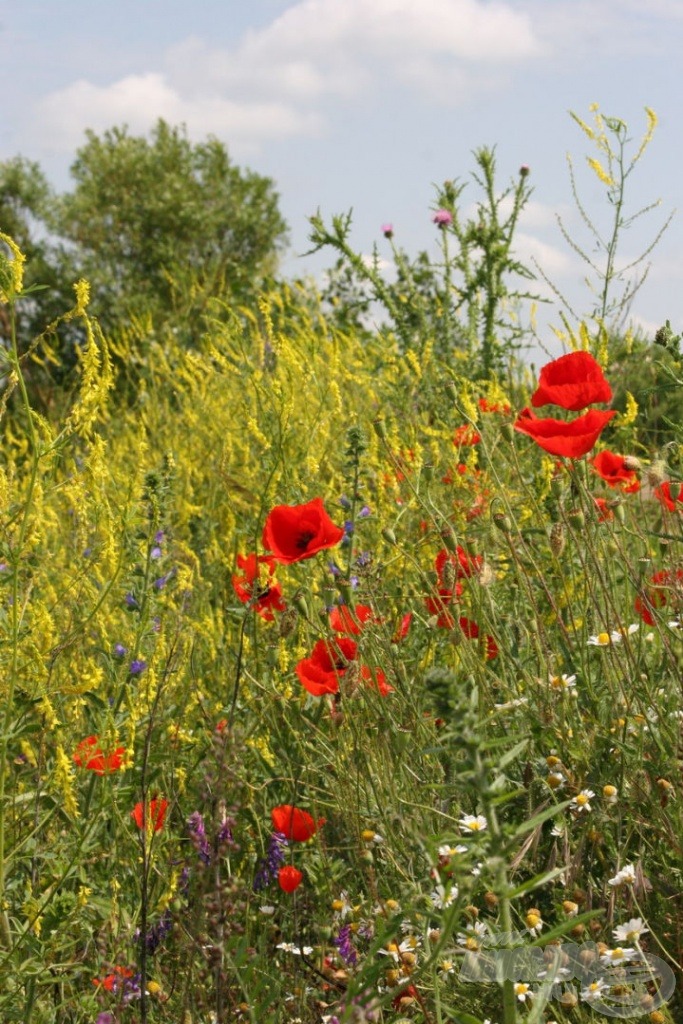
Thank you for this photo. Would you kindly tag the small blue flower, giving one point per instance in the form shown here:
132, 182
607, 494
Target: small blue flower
120, 650
137, 666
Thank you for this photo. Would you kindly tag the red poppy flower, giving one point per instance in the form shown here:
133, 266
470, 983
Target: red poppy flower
89, 755
604, 511
289, 878
465, 565
439, 605
350, 621
571, 439
471, 631
376, 679
487, 406
665, 585
664, 494
465, 436
294, 824
296, 532
255, 587
111, 981
403, 628
329, 660
573, 382
157, 813
614, 471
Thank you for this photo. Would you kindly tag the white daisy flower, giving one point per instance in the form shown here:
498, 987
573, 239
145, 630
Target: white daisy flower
442, 898
631, 931
289, 947
594, 991
451, 851
626, 876
473, 823
615, 957
564, 684
523, 991
582, 800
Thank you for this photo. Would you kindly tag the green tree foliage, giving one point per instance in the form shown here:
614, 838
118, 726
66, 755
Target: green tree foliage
155, 220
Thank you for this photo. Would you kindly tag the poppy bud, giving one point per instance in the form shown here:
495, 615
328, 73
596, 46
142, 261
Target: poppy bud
380, 428
502, 522
389, 535
576, 518
449, 539
299, 602
507, 432
557, 539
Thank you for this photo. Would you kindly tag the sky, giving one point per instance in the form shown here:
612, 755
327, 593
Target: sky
366, 105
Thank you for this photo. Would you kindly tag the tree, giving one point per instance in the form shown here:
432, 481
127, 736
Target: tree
151, 220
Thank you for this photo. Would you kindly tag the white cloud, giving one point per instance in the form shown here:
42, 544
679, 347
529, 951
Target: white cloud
139, 100
273, 84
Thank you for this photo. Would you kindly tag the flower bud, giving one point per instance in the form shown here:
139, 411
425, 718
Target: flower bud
389, 535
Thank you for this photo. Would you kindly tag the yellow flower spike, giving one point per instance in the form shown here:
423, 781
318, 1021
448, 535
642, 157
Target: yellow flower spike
11, 271
602, 174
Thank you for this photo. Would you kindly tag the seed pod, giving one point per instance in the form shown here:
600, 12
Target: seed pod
557, 539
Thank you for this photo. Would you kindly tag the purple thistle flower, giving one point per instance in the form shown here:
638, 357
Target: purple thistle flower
268, 868
387, 230
442, 218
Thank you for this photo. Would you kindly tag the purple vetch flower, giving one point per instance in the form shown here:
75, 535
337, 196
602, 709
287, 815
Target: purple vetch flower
163, 580
157, 933
334, 568
155, 552
443, 218
120, 651
137, 667
195, 824
348, 527
159, 537
344, 501
343, 943
268, 867
224, 834
364, 512
363, 559
130, 600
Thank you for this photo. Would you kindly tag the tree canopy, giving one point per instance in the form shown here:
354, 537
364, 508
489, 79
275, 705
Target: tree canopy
151, 222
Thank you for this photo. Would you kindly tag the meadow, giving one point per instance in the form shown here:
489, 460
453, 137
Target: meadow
342, 652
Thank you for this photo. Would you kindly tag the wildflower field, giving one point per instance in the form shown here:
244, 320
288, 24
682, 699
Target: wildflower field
342, 652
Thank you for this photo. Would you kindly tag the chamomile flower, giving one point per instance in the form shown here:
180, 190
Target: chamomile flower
534, 921
442, 897
473, 823
626, 876
631, 931
594, 991
600, 640
451, 851
610, 793
289, 947
616, 957
564, 684
522, 991
582, 800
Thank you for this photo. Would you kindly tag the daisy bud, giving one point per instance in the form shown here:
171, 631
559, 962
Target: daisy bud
491, 900
610, 794
570, 908
568, 1000
657, 1018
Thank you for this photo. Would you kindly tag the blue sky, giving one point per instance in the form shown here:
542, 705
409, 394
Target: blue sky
365, 104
